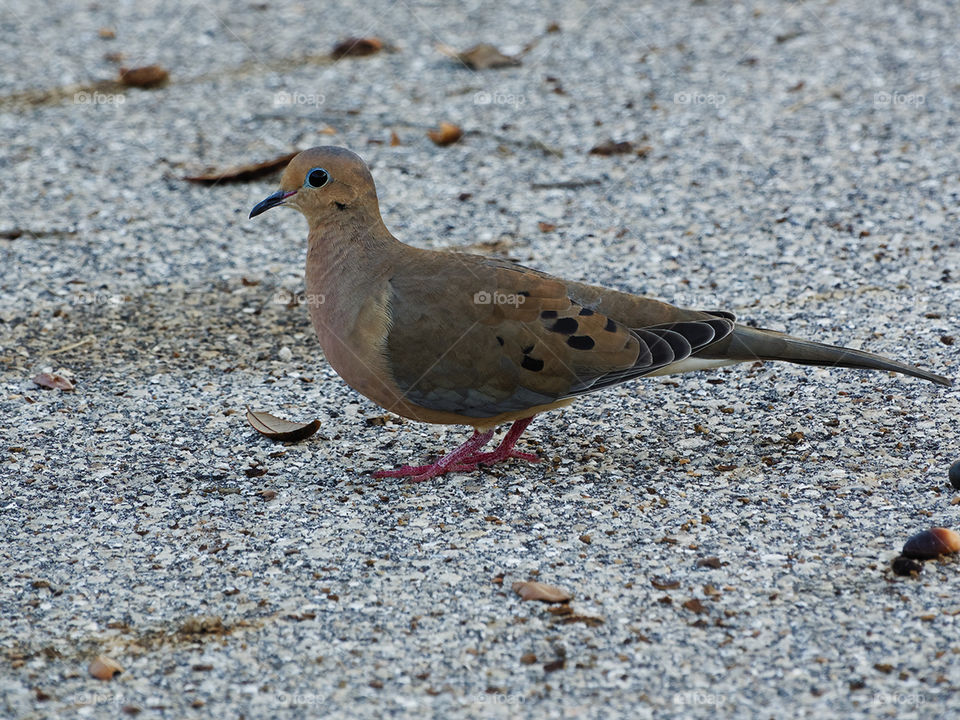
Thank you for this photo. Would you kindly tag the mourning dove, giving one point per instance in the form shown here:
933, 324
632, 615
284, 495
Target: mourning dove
443, 337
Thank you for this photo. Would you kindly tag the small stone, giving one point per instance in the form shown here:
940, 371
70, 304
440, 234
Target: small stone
285, 354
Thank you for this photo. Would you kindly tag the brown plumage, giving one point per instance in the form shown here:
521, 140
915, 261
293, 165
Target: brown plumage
445, 337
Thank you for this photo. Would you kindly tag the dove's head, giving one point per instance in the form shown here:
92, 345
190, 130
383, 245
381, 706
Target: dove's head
328, 185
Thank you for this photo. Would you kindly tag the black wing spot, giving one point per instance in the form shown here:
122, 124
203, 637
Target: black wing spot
527, 350
531, 364
500, 340
567, 326
611, 326
548, 314
581, 342
585, 311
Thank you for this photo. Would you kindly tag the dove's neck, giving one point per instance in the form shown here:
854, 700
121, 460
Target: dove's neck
351, 251
348, 265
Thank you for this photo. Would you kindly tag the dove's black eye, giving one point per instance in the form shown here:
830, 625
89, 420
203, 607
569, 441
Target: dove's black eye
317, 178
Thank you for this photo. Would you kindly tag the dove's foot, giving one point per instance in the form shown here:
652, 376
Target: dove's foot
467, 457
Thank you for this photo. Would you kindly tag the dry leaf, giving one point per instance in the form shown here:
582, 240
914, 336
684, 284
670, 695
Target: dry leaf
52, 381
244, 173
446, 134
107, 33
278, 429
104, 668
356, 47
394, 139
533, 590
612, 148
484, 57
546, 227
148, 76
694, 606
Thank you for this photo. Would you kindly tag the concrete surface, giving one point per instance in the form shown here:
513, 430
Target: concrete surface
802, 171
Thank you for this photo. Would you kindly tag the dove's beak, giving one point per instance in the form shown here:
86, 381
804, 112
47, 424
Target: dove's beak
271, 201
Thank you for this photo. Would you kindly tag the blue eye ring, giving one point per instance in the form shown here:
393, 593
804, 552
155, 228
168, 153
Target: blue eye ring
316, 178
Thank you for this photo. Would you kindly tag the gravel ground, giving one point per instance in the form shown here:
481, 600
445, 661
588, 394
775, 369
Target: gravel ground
726, 535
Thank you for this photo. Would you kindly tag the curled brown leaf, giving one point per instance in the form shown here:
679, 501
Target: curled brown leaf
278, 429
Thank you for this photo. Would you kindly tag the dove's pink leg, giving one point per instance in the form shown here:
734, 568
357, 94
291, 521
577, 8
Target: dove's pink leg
466, 457
445, 464
504, 450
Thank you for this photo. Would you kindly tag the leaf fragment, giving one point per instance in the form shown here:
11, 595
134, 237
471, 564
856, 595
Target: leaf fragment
533, 590
243, 173
53, 381
485, 56
445, 134
356, 47
148, 76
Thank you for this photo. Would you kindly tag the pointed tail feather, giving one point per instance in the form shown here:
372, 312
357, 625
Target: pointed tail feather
747, 343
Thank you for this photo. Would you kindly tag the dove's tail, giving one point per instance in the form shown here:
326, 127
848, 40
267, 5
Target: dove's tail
747, 343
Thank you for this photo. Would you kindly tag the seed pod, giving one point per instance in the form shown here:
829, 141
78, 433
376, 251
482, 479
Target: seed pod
104, 668
954, 475
903, 565
932, 543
